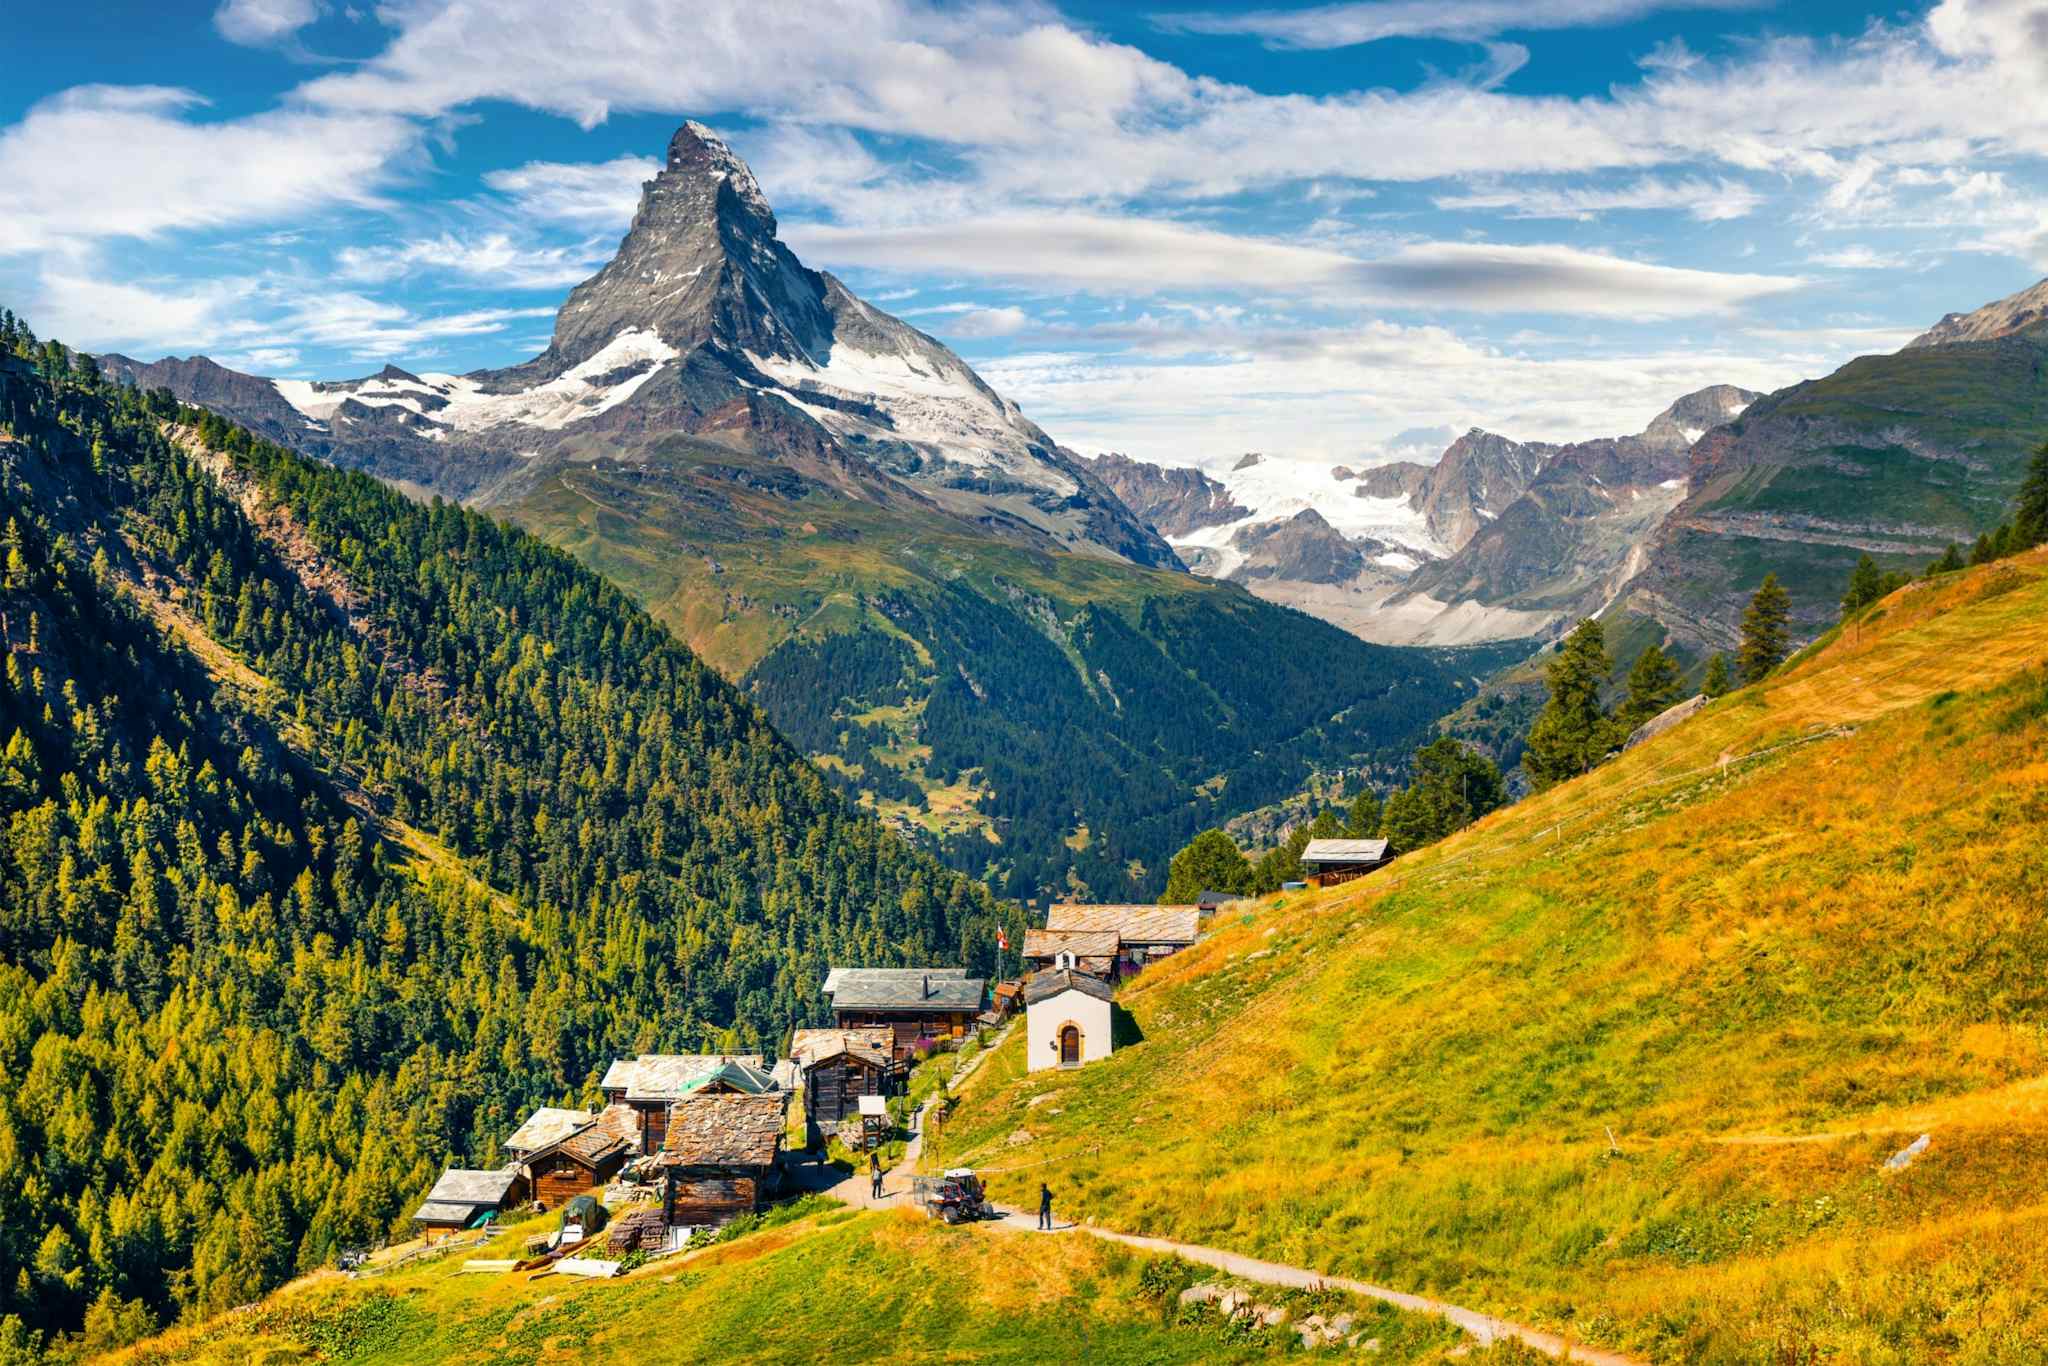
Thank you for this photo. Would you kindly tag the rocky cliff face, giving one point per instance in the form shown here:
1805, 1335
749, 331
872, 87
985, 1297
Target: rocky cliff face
1172, 500
1565, 546
1303, 549
1479, 475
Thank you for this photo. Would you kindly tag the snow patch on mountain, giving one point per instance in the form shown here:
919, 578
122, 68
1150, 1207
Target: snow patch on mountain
460, 403
917, 399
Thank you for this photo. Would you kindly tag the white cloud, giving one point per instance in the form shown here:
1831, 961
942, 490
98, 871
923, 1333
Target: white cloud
1370, 21
1857, 257
246, 320
979, 323
125, 161
1141, 256
1707, 201
599, 194
491, 258
1327, 394
262, 23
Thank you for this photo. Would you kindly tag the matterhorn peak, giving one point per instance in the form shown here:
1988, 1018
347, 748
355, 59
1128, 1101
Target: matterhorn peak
701, 263
697, 151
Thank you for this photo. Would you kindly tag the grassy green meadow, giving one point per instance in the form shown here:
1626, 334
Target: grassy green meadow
1626, 1059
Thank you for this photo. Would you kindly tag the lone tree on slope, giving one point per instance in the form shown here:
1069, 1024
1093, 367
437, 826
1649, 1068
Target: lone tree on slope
1765, 634
1716, 681
1573, 732
1210, 860
1653, 684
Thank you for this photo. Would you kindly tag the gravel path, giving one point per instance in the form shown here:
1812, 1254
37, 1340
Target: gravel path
1484, 1328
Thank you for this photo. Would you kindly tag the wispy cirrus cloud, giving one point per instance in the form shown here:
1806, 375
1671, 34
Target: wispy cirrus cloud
98, 162
1372, 21
493, 258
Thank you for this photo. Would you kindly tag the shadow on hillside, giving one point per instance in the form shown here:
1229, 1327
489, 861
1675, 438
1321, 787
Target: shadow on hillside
1123, 1028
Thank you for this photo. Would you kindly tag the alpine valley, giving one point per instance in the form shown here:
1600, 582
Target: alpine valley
953, 614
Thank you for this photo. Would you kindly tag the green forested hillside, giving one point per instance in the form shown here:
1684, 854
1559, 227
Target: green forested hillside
334, 830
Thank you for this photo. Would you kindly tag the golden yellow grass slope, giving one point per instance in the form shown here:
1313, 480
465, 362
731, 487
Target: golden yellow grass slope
1628, 1057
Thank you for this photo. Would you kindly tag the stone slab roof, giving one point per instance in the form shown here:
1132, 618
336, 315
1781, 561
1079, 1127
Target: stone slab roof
906, 989
724, 1130
1177, 925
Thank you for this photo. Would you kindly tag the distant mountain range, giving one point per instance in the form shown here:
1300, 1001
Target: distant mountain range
953, 614
1665, 533
1499, 539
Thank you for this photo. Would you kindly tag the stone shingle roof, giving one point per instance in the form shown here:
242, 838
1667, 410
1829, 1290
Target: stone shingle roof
1133, 924
905, 989
724, 1130
655, 1071
807, 1046
546, 1127
461, 1187
1080, 943
1043, 986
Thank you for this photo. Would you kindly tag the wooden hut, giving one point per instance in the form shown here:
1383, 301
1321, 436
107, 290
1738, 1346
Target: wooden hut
839, 1067
461, 1197
585, 1161
722, 1157
915, 1003
1329, 862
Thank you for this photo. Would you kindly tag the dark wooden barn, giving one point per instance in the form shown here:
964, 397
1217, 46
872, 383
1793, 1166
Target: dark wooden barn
722, 1158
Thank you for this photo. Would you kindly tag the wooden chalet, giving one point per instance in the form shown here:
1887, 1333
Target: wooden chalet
461, 1198
1091, 951
914, 1003
722, 1157
1209, 900
1329, 862
581, 1163
562, 1154
839, 1066
649, 1084
1145, 934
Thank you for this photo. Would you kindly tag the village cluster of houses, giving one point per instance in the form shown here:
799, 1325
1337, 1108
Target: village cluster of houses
705, 1133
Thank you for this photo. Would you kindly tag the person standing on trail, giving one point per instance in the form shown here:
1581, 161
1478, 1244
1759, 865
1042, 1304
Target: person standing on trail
875, 1173
1044, 1208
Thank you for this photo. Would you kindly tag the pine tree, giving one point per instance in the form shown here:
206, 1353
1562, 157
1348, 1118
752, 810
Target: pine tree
1766, 635
1653, 685
1362, 821
1951, 560
1210, 861
1866, 586
1716, 682
2030, 510
1573, 732
1453, 785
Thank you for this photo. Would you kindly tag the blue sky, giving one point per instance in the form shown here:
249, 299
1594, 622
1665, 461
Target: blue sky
1333, 231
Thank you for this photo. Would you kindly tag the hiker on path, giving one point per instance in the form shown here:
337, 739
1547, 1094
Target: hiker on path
1044, 1208
875, 1173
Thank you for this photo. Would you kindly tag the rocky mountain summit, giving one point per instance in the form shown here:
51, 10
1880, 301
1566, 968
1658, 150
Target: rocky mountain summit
2014, 314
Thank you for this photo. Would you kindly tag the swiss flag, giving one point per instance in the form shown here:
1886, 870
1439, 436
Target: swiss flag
1002, 939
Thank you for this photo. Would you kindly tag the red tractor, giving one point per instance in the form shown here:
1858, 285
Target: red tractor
957, 1197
